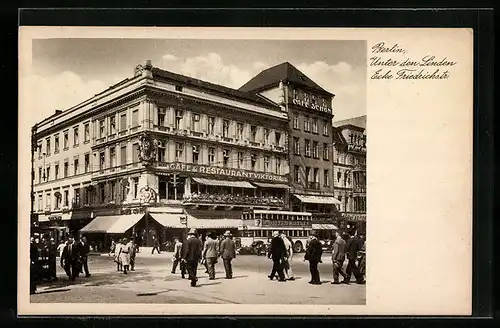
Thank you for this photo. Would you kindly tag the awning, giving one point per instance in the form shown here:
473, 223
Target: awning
271, 185
213, 223
325, 226
168, 220
224, 183
317, 199
112, 223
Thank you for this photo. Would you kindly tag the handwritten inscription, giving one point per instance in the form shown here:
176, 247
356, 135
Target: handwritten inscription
391, 62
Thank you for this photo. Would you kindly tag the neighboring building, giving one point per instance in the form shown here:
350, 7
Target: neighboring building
310, 113
350, 171
158, 153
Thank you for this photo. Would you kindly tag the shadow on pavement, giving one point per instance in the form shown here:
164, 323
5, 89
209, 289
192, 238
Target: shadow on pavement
155, 293
208, 284
235, 277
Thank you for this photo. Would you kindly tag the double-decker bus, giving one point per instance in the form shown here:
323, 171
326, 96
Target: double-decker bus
258, 225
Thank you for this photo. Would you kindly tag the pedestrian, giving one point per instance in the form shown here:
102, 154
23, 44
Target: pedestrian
69, 259
117, 259
156, 245
338, 258
112, 247
353, 246
228, 253
60, 247
191, 255
132, 251
84, 255
125, 255
52, 252
210, 254
289, 256
278, 255
33, 265
313, 255
177, 257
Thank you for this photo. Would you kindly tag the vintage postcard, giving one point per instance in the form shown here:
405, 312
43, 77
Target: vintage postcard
240, 171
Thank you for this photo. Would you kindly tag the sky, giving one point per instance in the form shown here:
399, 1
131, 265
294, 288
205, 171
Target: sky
69, 71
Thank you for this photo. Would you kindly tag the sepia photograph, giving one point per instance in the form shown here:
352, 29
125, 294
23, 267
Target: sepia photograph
230, 166
181, 171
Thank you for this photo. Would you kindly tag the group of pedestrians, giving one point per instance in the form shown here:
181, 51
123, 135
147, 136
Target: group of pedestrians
124, 252
193, 252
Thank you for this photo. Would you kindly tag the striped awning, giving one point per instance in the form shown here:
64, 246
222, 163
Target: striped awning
112, 223
325, 226
224, 183
168, 220
312, 199
271, 185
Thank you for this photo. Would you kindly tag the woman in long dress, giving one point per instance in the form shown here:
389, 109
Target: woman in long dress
118, 247
125, 255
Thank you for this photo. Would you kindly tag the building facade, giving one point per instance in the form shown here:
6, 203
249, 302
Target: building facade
160, 152
349, 142
310, 115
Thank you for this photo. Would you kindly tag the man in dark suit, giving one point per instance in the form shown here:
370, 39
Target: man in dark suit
33, 265
69, 259
228, 253
338, 258
191, 255
313, 255
210, 254
84, 250
353, 245
278, 254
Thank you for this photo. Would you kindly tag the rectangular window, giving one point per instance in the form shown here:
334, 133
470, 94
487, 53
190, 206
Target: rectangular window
75, 166
296, 146
48, 173
56, 143
123, 155
66, 140
225, 128
253, 160
308, 173
326, 178
47, 146
40, 203
112, 124
102, 161
315, 149
66, 197
66, 169
76, 200
76, 137
195, 122
296, 124
135, 118
325, 151
266, 136
87, 163
161, 116
211, 125
225, 157
325, 128
296, 174
239, 130
307, 124
86, 132
102, 193
102, 129
112, 157
179, 149
123, 122
179, 114
267, 160
278, 166
112, 190
253, 133
39, 175
196, 154
56, 171
240, 159
135, 153
211, 155
48, 205
58, 197
315, 125
277, 138
178, 88
307, 148
161, 151
316, 175
136, 187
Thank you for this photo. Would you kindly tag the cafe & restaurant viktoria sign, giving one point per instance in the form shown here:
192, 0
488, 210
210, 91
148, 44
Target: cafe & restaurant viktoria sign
222, 172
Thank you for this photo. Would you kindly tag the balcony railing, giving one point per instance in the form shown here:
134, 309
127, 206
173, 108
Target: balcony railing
233, 200
313, 185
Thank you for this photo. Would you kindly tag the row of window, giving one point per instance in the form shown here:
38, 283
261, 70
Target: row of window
348, 159
308, 97
310, 177
311, 149
108, 126
65, 140
310, 124
46, 174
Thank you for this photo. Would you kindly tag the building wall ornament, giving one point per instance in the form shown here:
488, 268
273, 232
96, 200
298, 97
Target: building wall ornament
147, 149
147, 194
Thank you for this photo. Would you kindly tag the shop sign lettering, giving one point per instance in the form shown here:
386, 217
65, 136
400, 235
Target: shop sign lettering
319, 108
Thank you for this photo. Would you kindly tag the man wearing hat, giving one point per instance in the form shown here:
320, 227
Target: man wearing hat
278, 255
52, 252
191, 255
69, 259
228, 253
210, 254
313, 255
